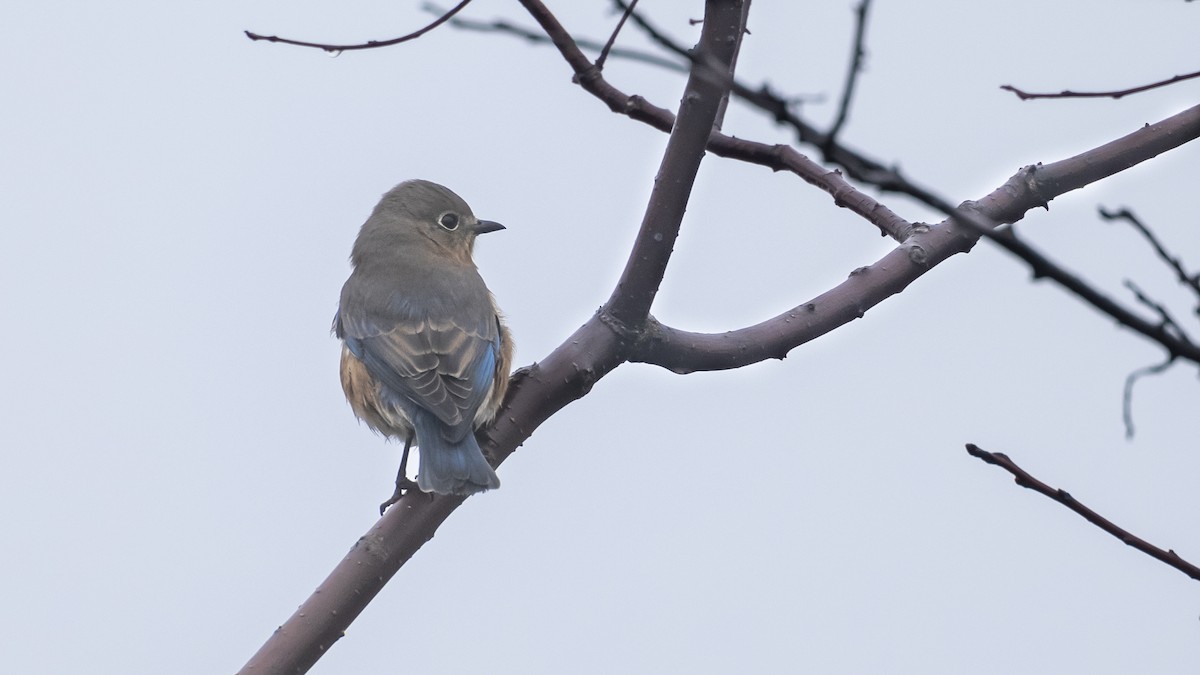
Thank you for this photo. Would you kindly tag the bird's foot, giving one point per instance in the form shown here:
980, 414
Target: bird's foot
402, 487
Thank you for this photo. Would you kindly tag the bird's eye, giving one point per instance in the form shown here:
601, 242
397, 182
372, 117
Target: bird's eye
449, 221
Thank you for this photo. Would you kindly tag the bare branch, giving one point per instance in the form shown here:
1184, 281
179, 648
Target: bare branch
1029, 188
1168, 325
1165, 320
370, 44
852, 72
1067, 93
1025, 480
1127, 397
503, 26
698, 111
1073, 173
654, 34
857, 165
613, 38
776, 157
322, 620
685, 352
1192, 281
1043, 267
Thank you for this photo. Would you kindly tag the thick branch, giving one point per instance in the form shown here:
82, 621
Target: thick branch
535, 393
1054, 179
1025, 480
631, 300
1029, 188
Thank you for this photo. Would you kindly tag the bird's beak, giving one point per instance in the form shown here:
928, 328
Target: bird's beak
485, 226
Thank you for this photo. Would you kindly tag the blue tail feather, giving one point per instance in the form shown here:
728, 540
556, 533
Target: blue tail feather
451, 467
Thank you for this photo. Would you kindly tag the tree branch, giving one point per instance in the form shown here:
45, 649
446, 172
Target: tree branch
504, 26
1165, 321
687, 352
1177, 344
613, 38
1025, 480
857, 165
775, 157
1192, 281
370, 44
1042, 266
702, 102
683, 351
1127, 393
852, 73
1067, 93
1031, 187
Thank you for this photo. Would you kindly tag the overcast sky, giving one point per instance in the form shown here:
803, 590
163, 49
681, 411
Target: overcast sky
181, 469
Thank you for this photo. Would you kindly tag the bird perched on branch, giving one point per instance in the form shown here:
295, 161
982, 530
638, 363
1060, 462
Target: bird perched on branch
425, 353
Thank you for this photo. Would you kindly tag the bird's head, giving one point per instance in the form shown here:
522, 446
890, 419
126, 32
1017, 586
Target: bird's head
418, 213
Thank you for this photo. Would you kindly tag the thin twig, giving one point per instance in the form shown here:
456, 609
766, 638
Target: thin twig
1167, 321
1025, 480
504, 26
1169, 324
857, 165
1127, 396
1026, 96
654, 34
852, 72
1167, 332
613, 38
370, 44
1177, 344
1192, 281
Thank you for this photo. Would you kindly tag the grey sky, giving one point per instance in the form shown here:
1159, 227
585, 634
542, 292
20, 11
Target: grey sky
182, 470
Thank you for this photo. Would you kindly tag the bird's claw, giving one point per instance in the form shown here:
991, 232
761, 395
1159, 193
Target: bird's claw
402, 486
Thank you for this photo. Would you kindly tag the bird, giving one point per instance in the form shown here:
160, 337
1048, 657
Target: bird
425, 351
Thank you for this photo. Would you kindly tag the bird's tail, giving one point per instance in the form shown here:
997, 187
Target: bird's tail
453, 468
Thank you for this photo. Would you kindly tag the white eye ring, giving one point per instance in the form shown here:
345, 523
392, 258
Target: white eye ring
448, 221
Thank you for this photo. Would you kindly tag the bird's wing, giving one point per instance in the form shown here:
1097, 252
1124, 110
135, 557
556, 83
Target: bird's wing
445, 365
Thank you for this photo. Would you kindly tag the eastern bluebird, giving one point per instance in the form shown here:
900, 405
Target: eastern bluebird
425, 354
